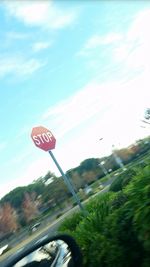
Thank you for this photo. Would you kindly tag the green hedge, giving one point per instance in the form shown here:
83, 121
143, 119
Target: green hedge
116, 232
122, 180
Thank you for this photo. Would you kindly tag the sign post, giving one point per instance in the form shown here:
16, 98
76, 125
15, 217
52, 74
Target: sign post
45, 140
67, 181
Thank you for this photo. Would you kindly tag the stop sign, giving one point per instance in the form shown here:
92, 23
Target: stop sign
43, 138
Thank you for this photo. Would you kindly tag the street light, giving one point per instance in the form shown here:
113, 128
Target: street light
101, 164
118, 159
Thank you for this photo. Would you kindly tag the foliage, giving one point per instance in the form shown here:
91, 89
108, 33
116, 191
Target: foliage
29, 208
8, 219
147, 116
139, 197
70, 223
88, 165
76, 178
56, 192
122, 180
116, 232
14, 197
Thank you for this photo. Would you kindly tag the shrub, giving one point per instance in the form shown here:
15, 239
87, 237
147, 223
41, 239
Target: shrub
122, 180
70, 223
116, 231
116, 184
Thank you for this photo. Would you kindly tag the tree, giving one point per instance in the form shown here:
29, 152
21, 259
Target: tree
89, 170
77, 181
48, 176
88, 165
29, 208
8, 219
14, 197
147, 116
56, 192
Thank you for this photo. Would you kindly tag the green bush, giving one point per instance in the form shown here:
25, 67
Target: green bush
116, 231
119, 199
70, 223
122, 180
116, 184
139, 202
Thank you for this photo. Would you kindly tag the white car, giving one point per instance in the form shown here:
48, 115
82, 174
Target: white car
3, 249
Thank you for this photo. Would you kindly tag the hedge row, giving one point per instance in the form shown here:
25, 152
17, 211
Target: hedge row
116, 232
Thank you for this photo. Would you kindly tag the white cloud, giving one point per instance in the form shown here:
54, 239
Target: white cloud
134, 50
40, 13
18, 65
21, 157
140, 26
128, 54
97, 40
77, 109
40, 46
37, 168
123, 102
16, 35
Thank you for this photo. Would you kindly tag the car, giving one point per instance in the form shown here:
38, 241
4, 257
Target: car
101, 186
34, 227
4, 249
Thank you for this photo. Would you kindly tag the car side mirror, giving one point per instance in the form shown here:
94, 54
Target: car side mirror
57, 251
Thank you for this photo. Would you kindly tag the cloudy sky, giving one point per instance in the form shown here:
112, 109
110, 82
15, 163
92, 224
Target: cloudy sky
80, 68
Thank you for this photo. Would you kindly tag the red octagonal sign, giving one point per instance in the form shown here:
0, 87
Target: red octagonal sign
43, 138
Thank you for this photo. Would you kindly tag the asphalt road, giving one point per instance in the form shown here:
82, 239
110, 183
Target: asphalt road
52, 229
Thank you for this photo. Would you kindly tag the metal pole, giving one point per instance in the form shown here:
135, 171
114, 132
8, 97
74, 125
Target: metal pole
101, 165
118, 160
103, 169
68, 183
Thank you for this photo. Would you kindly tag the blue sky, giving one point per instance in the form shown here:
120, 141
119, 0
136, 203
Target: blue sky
80, 68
